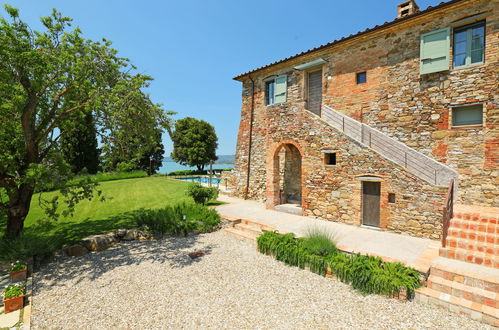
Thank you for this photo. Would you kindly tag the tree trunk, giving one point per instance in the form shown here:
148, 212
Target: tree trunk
200, 168
18, 210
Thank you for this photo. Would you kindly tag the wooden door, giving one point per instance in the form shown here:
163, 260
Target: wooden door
314, 91
370, 203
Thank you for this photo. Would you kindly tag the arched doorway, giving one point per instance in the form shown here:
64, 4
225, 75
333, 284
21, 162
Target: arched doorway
286, 177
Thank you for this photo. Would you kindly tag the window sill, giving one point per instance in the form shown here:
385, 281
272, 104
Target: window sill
330, 166
469, 66
467, 126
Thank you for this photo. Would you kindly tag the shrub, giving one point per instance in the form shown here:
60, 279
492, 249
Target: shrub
201, 194
319, 242
187, 172
366, 274
13, 290
17, 266
178, 219
26, 245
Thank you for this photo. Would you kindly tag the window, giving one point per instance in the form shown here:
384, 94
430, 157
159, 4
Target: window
391, 198
468, 115
275, 90
469, 44
361, 77
330, 158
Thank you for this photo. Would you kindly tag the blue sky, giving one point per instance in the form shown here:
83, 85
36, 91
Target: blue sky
194, 48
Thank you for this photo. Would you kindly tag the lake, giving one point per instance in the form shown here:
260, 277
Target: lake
172, 167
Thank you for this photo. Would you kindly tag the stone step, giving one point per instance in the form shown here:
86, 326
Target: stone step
471, 245
242, 235
461, 290
475, 257
472, 275
248, 229
289, 208
476, 311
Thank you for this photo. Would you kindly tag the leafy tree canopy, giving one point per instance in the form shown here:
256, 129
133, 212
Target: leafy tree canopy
49, 79
194, 143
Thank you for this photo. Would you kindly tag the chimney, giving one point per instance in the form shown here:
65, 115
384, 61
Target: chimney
407, 8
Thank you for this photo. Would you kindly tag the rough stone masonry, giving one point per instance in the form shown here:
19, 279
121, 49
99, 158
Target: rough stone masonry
396, 99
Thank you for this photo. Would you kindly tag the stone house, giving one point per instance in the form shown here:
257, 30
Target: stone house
372, 128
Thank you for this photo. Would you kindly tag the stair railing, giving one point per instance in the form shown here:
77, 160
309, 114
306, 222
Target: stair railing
448, 212
414, 161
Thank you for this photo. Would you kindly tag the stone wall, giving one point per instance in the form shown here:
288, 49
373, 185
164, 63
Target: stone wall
397, 100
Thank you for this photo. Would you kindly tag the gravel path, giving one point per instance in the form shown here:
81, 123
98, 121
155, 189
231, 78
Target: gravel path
156, 285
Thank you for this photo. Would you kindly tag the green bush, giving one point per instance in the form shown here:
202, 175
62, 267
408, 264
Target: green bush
201, 194
13, 290
366, 274
187, 172
17, 266
178, 219
25, 246
319, 242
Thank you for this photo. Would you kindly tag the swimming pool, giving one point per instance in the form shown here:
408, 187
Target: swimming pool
201, 179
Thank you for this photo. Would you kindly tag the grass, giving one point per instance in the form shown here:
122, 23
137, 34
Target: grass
94, 217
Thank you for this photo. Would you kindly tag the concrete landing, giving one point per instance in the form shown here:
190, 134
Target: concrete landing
412, 251
289, 208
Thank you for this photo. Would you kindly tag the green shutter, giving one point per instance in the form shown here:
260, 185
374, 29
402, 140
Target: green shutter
434, 52
281, 85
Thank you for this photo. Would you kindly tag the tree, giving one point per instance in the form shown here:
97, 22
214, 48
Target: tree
194, 143
79, 145
152, 159
49, 79
128, 143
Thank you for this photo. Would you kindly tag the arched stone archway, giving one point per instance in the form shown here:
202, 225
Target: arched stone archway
286, 176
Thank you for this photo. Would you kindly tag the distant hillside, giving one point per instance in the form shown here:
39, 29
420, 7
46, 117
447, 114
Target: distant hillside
222, 159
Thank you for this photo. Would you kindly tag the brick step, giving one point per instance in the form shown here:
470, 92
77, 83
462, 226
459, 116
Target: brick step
476, 276
474, 225
242, 235
470, 245
475, 257
461, 290
480, 236
248, 229
256, 224
458, 305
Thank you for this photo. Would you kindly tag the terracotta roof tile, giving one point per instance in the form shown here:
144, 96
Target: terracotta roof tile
376, 27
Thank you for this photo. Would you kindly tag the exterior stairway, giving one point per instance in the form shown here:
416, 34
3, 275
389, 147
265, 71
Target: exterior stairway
247, 230
415, 162
473, 236
463, 288
465, 278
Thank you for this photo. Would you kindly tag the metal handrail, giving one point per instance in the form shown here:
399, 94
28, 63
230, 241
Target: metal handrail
448, 212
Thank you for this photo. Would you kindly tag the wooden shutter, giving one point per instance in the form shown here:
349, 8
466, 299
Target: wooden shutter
281, 86
314, 97
434, 51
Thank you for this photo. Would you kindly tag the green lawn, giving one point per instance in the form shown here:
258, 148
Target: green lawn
94, 217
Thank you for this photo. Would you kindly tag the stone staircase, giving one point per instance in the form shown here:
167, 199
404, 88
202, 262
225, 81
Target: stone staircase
247, 230
463, 288
473, 236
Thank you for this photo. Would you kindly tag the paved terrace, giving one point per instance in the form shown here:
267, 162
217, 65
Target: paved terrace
412, 251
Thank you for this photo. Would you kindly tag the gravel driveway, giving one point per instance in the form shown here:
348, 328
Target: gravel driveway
156, 285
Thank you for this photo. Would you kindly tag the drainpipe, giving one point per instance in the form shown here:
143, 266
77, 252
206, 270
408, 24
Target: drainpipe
246, 191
